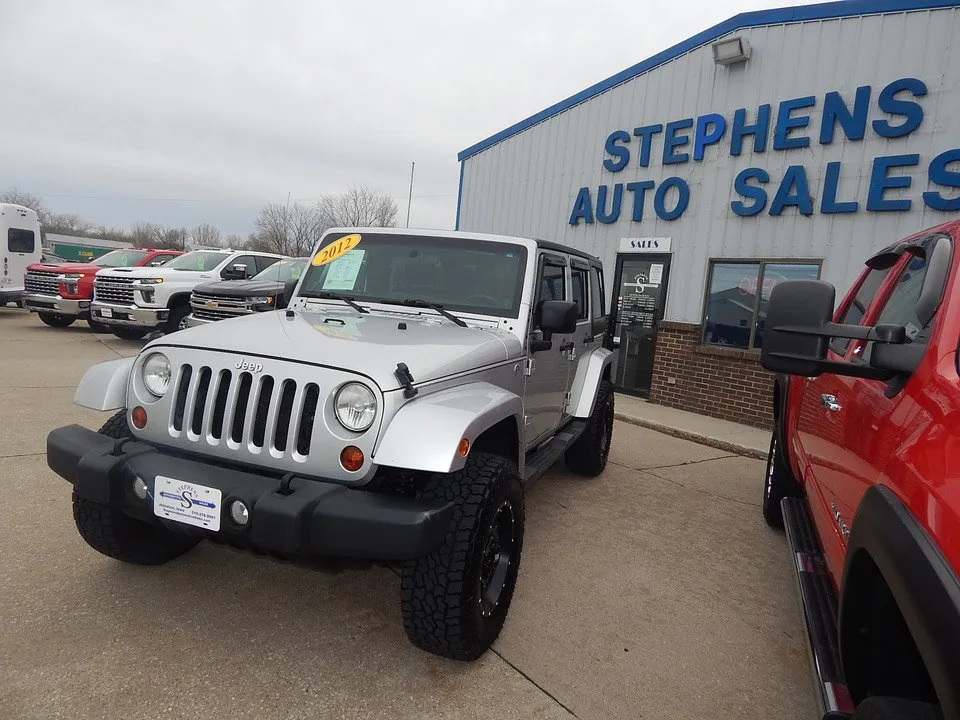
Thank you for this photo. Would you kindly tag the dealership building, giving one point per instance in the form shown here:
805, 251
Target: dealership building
779, 144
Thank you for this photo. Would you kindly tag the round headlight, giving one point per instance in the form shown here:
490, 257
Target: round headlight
356, 407
156, 374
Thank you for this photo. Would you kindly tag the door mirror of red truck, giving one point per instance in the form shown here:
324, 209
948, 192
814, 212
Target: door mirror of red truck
799, 328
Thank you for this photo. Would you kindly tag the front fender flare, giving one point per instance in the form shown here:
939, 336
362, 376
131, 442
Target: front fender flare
583, 392
104, 386
425, 433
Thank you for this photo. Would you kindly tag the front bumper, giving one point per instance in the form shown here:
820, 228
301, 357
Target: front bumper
56, 304
128, 315
193, 321
314, 519
9, 296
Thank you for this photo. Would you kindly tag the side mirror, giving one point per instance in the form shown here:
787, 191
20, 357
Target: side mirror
235, 272
799, 327
797, 303
557, 316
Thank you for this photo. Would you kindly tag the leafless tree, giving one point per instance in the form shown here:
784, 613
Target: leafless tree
358, 207
205, 235
290, 230
235, 241
68, 224
34, 202
144, 234
174, 239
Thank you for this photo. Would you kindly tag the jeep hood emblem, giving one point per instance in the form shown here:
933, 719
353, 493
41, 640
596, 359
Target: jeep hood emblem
248, 365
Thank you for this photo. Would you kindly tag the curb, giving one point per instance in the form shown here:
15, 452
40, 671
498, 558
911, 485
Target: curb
726, 445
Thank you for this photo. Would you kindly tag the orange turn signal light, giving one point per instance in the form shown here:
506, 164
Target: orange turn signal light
139, 418
351, 457
464, 447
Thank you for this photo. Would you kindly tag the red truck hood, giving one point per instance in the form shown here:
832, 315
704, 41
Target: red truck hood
64, 267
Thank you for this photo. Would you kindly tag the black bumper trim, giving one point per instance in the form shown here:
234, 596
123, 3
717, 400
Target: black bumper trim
316, 519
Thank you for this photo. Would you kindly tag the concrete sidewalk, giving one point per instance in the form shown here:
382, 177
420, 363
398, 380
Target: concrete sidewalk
722, 434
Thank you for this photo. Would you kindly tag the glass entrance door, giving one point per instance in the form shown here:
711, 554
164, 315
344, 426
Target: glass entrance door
641, 283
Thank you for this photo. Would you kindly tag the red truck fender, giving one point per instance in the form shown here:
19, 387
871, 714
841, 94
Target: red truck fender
899, 599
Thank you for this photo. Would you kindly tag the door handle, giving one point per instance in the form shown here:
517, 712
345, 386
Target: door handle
830, 402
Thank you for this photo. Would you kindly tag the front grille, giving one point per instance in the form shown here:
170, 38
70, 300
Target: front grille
41, 283
113, 290
217, 307
260, 412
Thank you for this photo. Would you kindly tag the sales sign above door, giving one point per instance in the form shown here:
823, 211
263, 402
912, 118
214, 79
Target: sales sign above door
645, 245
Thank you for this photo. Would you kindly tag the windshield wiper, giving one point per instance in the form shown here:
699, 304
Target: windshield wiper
414, 302
336, 296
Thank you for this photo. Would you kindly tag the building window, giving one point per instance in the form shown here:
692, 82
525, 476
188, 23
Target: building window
738, 293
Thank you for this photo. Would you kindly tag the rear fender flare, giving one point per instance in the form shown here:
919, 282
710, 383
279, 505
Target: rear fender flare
921, 581
426, 432
586, 381
104, 386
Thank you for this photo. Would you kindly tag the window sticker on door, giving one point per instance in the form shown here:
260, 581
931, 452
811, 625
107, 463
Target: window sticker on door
338, 248
656, 273
342, 274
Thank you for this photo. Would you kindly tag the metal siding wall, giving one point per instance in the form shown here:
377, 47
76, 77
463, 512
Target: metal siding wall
526, 185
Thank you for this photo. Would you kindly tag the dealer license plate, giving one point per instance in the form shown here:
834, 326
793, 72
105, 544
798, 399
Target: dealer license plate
187, 503
106, 312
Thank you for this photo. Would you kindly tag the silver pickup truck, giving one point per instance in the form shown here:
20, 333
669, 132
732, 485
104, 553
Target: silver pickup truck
395, 411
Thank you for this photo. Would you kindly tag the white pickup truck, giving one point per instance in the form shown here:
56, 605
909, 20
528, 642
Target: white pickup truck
135, 301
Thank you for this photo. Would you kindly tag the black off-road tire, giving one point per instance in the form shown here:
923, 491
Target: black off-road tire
98, 327
778, 483
132, 334
109, 531
588, 455
55, 320
445, 596
178, 314
891, 708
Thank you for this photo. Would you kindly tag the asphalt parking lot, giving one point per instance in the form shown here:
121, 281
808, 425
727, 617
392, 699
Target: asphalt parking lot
653, 591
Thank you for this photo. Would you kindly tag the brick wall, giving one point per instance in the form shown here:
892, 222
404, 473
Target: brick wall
710, 380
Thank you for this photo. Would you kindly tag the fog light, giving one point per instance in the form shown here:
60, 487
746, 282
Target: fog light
139, 418
351, 457
239, 512
140, 489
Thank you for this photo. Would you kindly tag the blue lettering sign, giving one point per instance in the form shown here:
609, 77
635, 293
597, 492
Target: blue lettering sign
646, 134
880, 182
793, 191
835, 111
582, 207
828, 203
614, 214
639, 189
620, 154
757, 194
910, 110
940, 174
671, 140
703, 137
786, 123
683, 198
760, 129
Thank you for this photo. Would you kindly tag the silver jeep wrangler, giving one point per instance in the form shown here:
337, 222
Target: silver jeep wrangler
395, 411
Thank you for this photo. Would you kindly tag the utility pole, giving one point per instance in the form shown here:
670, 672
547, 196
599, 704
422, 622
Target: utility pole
410, 196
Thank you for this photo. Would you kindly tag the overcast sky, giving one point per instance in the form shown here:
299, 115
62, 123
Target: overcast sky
197, 111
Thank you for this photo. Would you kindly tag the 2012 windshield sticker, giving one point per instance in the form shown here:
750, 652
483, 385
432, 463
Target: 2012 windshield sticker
337, 249
188, 503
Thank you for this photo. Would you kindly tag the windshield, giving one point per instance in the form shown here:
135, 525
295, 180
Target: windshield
473, 276
121, 258
284, 271
197, 261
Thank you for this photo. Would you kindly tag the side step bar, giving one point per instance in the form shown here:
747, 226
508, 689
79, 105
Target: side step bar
543, 458
818, 601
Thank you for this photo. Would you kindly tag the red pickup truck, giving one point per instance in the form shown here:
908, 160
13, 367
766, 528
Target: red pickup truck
864, 475
61, 293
